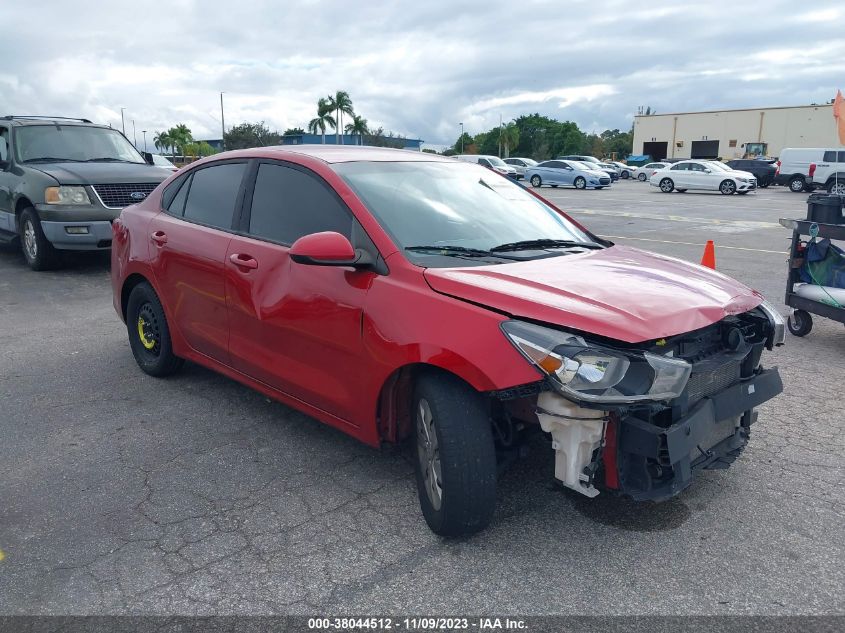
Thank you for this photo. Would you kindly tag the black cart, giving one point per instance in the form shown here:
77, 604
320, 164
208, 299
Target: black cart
800, 323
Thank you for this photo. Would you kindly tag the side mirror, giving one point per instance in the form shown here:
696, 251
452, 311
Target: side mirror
325, 249
708, 171
148, 157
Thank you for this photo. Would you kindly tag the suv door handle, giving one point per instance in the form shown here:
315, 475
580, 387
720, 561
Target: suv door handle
159, 237
244, 261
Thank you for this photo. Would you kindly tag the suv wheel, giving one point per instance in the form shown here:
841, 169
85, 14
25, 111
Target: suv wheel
728, 187
455, 460
837, 188
796, 184
149, 334
37, 249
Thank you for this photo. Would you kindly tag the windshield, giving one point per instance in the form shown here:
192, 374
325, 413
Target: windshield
497, 162
73, 143
161, 161
529, 162
452, 205
718, 165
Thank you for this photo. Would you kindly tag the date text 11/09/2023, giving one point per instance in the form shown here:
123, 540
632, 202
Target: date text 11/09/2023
417, 624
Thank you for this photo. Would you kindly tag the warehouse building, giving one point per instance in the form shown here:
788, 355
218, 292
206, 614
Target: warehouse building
728, 134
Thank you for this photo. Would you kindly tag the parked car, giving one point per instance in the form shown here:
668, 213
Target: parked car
395, 294
763, 170
703, 175
157, 160
807, 168
609, 169
490, 162
646, 171
62, 182
520, 165
625, 171
580, 158
570, 173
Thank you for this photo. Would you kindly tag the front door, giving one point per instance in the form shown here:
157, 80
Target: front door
7, 212
296, 327
189, 242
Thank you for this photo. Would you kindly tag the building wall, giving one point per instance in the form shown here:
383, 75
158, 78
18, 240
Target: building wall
803, 126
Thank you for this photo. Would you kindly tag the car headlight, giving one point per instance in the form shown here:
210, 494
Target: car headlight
742, 179
777, 322
589, 372
66, 195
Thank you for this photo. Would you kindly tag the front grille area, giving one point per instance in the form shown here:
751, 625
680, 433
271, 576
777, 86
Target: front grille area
604, 181
717, 377
117, 196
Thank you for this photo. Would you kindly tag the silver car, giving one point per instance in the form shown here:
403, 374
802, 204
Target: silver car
520, 165
568, 173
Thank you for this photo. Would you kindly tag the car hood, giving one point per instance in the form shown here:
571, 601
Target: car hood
71, 173
619, 292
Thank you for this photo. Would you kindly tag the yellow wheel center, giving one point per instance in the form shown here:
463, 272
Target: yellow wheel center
149, 343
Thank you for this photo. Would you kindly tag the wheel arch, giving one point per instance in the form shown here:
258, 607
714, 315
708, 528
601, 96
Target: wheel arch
22, 203
129, 284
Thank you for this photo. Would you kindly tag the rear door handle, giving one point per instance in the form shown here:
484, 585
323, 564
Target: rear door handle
159, 237
244, 261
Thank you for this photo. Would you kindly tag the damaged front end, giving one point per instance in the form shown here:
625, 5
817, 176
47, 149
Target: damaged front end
641, 419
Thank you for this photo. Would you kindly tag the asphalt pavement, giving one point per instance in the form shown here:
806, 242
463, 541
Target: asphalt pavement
124, 494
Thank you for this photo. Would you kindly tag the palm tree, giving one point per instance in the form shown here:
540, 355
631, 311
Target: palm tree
359, 127
162, 141
323, 117
340, 103
180, 136
509, 136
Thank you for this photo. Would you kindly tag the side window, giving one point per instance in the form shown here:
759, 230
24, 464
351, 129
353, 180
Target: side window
288, 203
176, 205
4, 144
841, 157
212, 195
680, 167
829, 157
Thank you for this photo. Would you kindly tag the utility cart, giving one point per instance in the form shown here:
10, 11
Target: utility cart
824, 302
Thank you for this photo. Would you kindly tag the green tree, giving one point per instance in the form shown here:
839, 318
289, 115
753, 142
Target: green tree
198, 150
358, 126
462, 143
508, 137
180, 136
324, 117
162, 141
293, 131
248, 135
340, 104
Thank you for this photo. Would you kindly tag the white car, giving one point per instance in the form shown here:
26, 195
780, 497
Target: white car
520, 165
490, 162
703, 175
646, 171
625, 171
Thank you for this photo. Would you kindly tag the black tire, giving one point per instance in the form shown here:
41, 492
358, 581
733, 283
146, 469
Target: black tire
554, 186
641, 177
796, 184
800, 323
580, 182
597, 188
149, 334
741, 193
727, 187
666, 185
625, 175
681, 190
37, 249
464, 451
536, 181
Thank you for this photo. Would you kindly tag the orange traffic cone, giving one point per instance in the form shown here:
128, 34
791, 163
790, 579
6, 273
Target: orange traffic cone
709, 257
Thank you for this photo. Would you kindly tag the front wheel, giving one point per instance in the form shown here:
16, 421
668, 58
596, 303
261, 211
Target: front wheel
149, 334
37, 249
455, 461
837, 188
727, 188
580, 183
641, 177
800, 323
536, 181
666, 185
625, 175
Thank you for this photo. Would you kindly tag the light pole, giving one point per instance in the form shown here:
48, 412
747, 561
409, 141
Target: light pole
144, 132
134, 135
462, 137
122, 122
222, 126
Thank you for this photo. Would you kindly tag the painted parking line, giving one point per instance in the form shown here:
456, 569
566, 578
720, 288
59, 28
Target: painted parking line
740, 225
720, 246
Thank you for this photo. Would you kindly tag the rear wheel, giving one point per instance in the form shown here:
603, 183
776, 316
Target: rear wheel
800, 323
641, 177
796, 184
580, 183
455, 461
536, 181
149, 334
666, 185
727, 187
37, 249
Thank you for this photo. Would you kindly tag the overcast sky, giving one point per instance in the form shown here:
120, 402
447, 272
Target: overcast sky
417, 68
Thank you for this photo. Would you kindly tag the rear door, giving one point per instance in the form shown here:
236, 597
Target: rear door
296, 327
189, 242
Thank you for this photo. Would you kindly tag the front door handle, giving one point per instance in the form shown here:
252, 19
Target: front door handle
159, 237
244, 261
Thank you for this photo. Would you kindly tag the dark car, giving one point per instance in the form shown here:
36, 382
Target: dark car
400, 295
63, 182
763, 170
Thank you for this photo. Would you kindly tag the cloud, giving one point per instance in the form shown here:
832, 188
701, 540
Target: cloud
417, 69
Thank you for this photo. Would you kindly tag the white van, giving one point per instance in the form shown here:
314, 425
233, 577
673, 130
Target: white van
491, 162
808, 168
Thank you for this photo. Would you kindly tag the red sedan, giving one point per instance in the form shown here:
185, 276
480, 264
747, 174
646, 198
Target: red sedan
394, 294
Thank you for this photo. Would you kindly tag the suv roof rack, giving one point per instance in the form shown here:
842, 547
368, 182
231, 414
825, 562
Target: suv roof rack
9, 117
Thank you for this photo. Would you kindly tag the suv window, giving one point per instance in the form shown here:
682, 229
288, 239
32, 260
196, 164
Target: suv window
4, 144
680, 167
841, 157
212, 194
829, 157
288, 203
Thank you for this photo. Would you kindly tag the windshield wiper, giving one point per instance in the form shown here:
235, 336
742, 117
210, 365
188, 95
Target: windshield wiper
51, 159
109, 159
448, 249
539, 244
